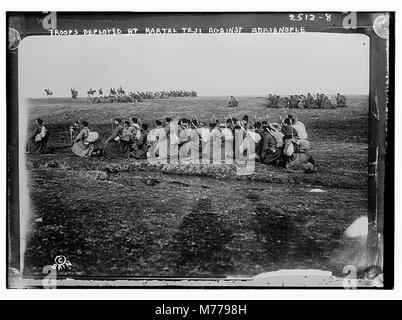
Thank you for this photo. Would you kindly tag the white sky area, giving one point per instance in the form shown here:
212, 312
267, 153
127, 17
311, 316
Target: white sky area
211, 64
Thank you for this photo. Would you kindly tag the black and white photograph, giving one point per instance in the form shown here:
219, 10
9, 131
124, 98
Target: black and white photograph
186, 150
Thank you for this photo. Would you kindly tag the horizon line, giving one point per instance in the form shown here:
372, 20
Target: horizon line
214, 95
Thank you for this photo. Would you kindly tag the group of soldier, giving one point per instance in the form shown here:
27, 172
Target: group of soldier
320, 101
283, 143
120, 95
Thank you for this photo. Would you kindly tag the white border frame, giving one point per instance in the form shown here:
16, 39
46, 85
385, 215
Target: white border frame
211, 294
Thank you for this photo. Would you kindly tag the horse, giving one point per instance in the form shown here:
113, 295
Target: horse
91, 92
48, 92
74, 93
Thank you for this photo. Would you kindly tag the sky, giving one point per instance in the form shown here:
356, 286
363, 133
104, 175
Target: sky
211, 64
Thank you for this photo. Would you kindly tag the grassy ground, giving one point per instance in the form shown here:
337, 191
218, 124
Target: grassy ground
125, 217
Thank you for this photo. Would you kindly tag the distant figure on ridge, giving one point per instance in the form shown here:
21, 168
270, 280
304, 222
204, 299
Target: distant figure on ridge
233, 102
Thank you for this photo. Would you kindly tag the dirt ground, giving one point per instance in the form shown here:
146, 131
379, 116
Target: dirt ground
129, 218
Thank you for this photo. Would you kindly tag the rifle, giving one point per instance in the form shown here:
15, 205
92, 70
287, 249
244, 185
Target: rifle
231, 119
196, 130
71, 135
196, 118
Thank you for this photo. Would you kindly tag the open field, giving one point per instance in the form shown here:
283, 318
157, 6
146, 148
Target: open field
125, 217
